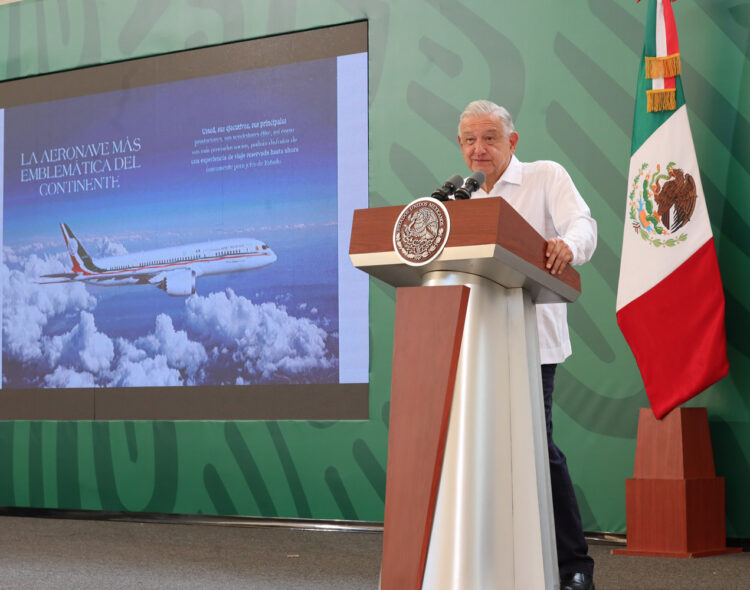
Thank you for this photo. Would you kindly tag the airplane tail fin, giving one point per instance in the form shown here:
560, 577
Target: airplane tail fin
82, 262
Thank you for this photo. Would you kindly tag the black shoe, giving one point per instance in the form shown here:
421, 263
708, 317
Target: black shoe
577, 581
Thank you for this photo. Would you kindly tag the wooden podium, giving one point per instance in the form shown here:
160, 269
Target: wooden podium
468, 503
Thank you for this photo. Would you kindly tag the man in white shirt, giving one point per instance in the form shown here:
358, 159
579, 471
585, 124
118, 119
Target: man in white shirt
544, 194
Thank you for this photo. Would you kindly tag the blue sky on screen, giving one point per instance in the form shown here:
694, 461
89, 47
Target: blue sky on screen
166, 192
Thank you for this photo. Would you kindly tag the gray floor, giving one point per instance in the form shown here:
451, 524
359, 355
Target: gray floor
43, 553
40, 554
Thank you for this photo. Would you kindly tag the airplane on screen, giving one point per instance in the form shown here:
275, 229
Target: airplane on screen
172, 269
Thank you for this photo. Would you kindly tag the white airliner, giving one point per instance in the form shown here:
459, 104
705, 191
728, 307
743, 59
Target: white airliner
173, 269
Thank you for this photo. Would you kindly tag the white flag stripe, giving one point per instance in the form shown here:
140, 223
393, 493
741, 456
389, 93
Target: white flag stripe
661, 43
643, 265
661, 32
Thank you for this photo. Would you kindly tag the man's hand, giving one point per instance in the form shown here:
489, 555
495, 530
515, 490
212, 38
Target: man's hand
559, 255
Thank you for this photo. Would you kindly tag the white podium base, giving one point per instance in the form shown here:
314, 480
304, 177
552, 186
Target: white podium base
493, 525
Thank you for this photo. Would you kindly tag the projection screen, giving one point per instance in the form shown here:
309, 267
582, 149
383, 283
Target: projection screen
175, 233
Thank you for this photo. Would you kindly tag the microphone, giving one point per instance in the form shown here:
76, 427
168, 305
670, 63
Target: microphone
449, 187
472, 183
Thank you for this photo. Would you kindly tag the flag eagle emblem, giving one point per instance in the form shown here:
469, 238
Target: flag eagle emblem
661, 203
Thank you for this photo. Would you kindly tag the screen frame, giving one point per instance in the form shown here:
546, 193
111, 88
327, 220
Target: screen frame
344, 401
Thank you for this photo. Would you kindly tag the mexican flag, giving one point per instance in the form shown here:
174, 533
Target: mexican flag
670, 302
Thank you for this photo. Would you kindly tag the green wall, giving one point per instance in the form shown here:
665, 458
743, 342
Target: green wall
567, 71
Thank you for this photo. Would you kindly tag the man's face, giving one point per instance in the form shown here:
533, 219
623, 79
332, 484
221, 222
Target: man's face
485, 146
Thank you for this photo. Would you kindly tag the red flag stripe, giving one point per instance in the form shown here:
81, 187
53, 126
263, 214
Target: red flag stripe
673, 44
676, 332
670, 31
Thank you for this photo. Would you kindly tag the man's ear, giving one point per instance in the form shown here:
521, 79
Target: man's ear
513, 140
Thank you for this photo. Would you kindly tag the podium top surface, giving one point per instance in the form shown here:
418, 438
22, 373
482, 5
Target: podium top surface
487, 238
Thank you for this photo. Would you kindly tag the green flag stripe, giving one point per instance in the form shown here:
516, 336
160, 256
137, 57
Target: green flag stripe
649, 42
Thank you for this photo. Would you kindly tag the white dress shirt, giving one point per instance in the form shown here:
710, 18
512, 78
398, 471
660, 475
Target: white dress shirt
545, 196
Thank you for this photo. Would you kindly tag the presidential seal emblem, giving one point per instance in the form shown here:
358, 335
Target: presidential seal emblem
421, 231
661, 203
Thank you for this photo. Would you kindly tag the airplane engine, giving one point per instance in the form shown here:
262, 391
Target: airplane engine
179, 283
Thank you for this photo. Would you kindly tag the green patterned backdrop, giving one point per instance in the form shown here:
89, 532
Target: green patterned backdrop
567, 71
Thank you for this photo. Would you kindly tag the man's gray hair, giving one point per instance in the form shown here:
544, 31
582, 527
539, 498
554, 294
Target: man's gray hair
487, 107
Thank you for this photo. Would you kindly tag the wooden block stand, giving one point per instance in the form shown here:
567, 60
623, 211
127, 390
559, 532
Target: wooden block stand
675, 502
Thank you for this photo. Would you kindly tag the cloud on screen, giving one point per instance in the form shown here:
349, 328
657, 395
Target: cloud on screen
28, 307
227, 338
266, 340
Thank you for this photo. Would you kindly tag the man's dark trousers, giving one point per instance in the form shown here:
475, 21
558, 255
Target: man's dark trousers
572, 549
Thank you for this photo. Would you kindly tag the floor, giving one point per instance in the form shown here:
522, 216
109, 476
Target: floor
61, 554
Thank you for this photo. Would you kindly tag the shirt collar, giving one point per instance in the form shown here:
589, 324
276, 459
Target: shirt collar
513, 173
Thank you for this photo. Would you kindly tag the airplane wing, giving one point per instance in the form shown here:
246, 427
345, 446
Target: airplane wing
140, 278
62, 277
179, 282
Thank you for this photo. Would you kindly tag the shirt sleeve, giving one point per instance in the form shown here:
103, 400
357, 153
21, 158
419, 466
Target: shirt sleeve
570, 216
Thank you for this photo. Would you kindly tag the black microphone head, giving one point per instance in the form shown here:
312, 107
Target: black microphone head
449, 187
477, 179
472, 183
453, 183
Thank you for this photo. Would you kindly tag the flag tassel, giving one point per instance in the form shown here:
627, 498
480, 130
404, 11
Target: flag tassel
661, 100
668, 66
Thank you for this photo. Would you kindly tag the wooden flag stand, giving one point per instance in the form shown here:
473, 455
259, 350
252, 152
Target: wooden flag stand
674, 503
